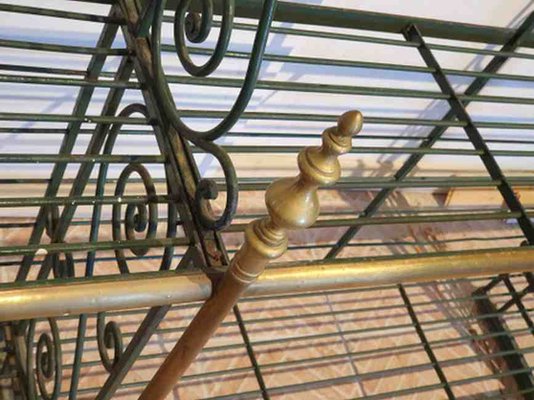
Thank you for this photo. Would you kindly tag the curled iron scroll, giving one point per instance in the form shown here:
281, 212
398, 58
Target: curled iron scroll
196, 27
108, 337
48, 361
62, 264
139, 218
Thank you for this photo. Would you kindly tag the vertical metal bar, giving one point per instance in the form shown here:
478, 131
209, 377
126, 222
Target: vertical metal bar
413, 34
145, 19
473, 89
426, 344
94, 69
251, 354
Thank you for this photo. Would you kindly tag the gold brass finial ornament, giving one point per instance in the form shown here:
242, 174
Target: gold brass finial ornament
292, 203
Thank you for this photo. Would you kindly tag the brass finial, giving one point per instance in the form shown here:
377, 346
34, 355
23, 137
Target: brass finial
292, 203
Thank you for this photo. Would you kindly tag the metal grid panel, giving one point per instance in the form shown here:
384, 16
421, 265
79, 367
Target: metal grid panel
348, 359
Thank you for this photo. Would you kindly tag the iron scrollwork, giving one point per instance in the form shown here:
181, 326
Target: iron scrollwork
108, 336
196, 28
62, 266
138, 218
48, 361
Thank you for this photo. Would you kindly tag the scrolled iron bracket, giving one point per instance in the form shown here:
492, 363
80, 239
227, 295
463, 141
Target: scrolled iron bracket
196, 28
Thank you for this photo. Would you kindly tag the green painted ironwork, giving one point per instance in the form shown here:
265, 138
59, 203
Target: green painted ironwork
193, 233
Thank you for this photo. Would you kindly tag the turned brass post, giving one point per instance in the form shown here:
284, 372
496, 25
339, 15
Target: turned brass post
292, 203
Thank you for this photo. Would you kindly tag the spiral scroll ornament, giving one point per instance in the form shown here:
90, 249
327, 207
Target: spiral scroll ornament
62, 264
138, 219
109, 337
196, 27
48, 361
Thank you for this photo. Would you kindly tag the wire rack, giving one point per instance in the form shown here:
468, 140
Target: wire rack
93, 184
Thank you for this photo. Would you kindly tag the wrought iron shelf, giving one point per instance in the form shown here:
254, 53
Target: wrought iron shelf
96, 208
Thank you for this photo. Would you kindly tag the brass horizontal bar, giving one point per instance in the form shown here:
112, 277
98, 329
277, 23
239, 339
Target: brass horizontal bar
40, 299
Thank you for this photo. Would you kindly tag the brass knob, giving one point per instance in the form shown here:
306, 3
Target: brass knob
292, 203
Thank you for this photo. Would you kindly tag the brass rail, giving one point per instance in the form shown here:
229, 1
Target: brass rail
40, 299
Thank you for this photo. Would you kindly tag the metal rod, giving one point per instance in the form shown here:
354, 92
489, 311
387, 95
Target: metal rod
292, 203
73, 118
373, 21
79, 158
424, 341
244, 149
12, 8
26, 45
82, 200
44, 249
251, 354
45, 80
39, 299
368, 120
389, 42
377, 150
363, 221
207, 114
141, 132
256, 183
338, 89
